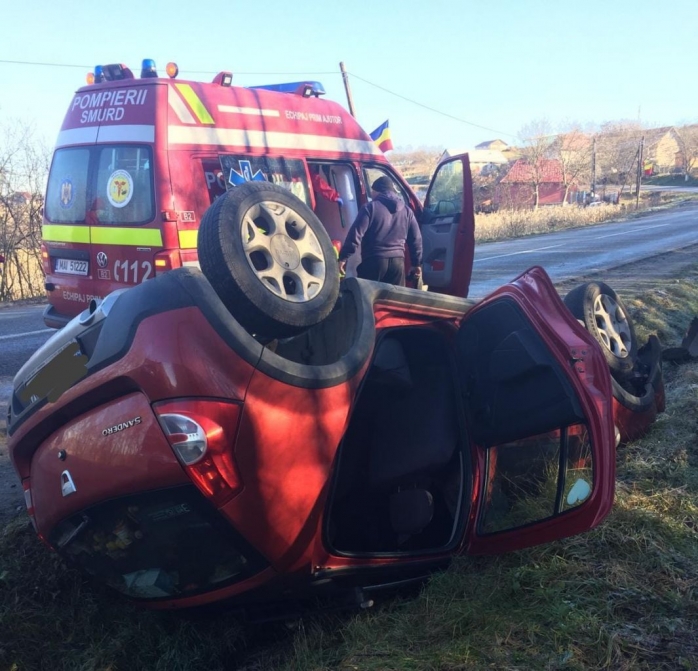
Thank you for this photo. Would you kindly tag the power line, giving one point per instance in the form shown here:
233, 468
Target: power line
432, 109
50, 65
193, 72
294, 74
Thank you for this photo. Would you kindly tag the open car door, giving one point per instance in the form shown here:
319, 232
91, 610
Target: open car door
448, 228
537, 398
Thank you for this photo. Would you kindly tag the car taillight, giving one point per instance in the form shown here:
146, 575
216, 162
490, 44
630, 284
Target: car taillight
202, 435
26, 486
165, 261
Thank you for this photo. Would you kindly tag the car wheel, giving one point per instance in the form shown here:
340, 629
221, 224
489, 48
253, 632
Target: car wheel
604, 315
269, 259
650, 355
632, 414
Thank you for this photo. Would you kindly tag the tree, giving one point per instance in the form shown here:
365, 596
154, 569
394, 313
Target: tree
536, 138
617, 145
688, 145
416, 163
23, 170
573, 149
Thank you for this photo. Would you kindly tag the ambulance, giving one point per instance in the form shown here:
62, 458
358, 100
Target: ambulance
139, 160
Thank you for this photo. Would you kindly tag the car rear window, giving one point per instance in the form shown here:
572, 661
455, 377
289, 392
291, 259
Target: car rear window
103, 184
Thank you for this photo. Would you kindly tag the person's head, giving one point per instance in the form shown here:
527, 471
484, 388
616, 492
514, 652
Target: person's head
383, 185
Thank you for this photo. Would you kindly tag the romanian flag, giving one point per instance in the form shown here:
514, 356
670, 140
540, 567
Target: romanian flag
381, 136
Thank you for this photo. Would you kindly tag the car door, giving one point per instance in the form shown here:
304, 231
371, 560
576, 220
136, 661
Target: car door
537, 398
448, 228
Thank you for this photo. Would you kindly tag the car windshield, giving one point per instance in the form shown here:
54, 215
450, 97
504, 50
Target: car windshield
102, 184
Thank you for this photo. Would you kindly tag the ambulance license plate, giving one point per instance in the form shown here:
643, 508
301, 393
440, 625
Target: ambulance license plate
71, 266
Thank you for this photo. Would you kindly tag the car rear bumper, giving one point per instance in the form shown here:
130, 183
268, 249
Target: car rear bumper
158, 547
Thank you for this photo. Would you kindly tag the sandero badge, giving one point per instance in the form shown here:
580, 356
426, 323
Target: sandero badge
122, 426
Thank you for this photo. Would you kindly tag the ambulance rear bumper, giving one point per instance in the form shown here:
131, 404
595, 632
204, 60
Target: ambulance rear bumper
54, 319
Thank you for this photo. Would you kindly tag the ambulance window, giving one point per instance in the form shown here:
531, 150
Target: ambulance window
67, 185
123, 192
372, 174
286, 172
446, 194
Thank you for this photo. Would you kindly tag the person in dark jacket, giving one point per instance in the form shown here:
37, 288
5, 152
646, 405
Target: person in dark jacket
381, 230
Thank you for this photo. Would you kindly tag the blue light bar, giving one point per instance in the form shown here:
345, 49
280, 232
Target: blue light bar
148, 68
300, 88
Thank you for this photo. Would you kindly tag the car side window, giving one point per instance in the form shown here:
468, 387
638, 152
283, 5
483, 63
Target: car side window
536, 478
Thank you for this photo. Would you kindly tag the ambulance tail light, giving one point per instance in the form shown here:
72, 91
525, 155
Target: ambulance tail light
202, 435
45, 260
148, 68
168, 260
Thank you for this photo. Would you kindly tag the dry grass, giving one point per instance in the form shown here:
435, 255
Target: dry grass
518, 223
24, 277
620, 597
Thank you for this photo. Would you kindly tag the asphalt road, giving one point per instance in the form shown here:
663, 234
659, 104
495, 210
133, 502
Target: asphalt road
22, 332
577, 252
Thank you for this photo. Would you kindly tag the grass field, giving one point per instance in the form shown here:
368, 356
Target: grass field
505, 224
623, 596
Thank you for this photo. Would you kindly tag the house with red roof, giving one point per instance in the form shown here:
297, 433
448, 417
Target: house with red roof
517, 189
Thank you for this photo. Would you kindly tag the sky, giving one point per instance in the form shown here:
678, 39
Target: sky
445, 73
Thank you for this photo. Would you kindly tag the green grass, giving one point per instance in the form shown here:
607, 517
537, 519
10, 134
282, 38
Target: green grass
623, 596
670, 180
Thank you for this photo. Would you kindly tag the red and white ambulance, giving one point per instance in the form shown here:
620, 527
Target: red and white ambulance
139, 160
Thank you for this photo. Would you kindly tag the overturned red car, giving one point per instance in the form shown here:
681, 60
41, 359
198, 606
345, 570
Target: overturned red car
259, 432
192, 463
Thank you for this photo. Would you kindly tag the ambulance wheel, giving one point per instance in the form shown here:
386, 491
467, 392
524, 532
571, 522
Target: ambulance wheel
269, 259
605, 316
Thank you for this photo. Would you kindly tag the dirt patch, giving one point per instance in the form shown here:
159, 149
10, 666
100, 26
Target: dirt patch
646, 275
39, 300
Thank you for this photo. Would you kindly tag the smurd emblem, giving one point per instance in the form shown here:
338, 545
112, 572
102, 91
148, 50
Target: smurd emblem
102, 260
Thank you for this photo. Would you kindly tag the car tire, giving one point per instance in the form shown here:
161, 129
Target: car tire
605, 316
269, 259
650, 355
629, 399
633, 415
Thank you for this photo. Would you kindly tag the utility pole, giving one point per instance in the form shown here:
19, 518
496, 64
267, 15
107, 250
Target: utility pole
593, 167
639, 171
345, 78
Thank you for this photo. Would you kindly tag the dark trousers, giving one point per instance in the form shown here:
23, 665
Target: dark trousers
391, 271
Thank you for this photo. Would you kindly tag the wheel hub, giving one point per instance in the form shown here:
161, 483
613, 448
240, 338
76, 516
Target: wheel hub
612, 325
285, 252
